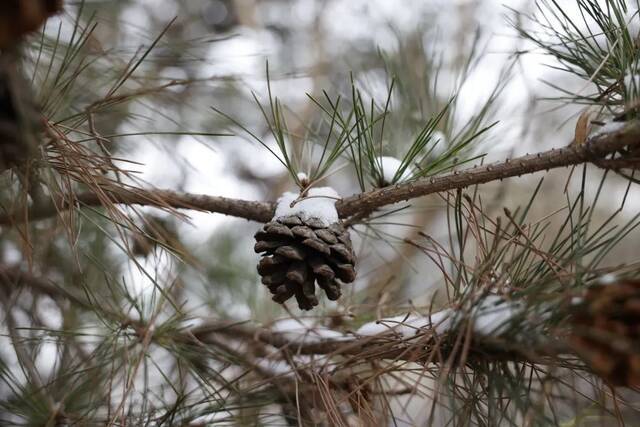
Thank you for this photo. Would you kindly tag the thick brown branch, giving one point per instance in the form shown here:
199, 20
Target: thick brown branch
251, 210
593, 150
364, 203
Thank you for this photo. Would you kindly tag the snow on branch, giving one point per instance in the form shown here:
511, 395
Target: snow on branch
390, 167
491, 316
393, 338
408, 325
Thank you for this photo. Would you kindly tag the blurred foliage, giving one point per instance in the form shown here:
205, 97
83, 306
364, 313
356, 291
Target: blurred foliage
131, 315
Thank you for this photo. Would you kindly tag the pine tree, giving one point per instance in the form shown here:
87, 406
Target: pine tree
399, 267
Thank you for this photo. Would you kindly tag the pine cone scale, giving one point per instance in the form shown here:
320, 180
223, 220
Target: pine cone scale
275, 229
330, 287
267, 245
327, 236
297, 272
341, 250
317, 245
290, 221
304, 232
283, 292
606, 332
320, 268
292, 252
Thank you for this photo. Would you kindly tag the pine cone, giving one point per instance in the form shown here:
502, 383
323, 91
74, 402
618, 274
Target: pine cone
298, 253
20, 118
20, 17
606, 331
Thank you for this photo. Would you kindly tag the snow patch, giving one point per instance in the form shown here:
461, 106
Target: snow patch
303, 331
390, 166
493, 315
607, 279
577, 300
302, 177
608, 127
408, 325
279, 368
319, 203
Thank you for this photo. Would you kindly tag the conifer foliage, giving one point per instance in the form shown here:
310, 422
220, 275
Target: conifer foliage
429, 248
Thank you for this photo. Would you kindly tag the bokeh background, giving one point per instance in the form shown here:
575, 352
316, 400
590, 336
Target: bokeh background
215, 54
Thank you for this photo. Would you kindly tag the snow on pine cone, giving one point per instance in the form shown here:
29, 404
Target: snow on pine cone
606, 331
299, 252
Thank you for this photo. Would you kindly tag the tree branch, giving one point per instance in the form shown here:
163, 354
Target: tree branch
595, 149
12, 278
362, 204
426, 347
251, 210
